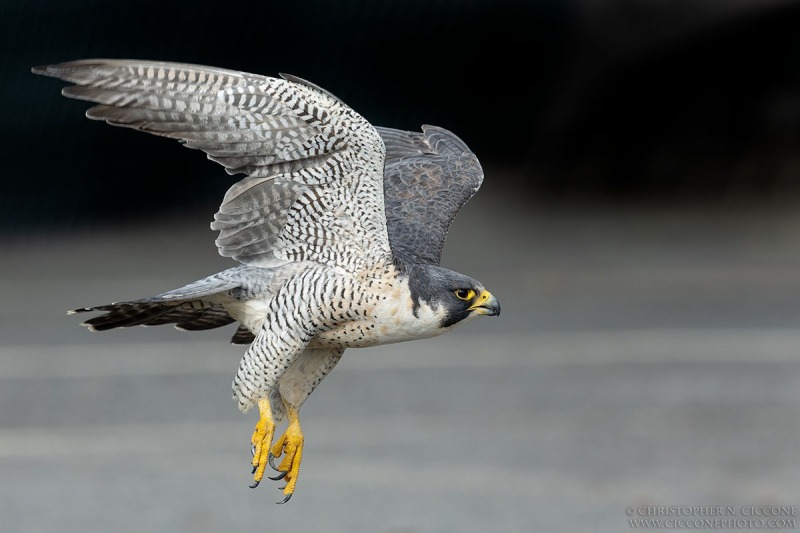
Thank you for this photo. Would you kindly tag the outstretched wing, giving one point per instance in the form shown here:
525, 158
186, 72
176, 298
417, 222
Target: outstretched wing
428, 177
314, 185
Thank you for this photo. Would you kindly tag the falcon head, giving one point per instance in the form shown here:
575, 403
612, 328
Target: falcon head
454, 296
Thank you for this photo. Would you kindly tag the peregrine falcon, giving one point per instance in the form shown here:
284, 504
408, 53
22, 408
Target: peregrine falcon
338, 227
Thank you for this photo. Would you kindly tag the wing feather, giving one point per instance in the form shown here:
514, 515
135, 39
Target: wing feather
314, 190
428, 177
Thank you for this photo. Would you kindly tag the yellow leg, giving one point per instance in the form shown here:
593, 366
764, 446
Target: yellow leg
261, 440
291, 444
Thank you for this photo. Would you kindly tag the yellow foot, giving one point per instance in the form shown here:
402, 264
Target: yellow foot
290, 444
261, 441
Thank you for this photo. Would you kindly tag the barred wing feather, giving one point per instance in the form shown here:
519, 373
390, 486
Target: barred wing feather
314, 167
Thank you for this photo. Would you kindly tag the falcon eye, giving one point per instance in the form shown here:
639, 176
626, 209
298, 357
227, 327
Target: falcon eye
464, 294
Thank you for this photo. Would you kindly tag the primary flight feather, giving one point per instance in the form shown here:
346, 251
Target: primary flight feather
338, 225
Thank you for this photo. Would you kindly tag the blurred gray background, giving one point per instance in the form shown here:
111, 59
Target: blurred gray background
639, 223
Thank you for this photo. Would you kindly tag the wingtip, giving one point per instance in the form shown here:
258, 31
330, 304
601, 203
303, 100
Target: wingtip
60, 70
53, 69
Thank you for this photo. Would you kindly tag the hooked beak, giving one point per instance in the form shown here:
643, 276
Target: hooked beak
486, 304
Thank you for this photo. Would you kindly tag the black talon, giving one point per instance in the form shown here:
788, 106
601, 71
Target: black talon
271, 460
254, 469
286, 499
279, 476
254, 485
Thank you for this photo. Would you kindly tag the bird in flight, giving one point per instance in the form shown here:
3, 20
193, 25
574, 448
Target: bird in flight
338, 227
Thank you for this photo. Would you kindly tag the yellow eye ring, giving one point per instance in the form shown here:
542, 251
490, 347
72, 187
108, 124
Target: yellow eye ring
464, 294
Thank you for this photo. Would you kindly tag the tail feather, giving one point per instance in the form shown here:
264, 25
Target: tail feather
211, 318
185, 315
242, 336
122, 314
197, 306
171, 316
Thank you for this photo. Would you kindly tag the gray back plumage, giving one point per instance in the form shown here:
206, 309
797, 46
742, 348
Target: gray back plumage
428, 177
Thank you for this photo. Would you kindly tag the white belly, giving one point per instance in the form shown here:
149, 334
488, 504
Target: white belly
385, 321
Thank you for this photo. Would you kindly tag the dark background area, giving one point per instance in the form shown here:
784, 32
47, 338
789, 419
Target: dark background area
564, 101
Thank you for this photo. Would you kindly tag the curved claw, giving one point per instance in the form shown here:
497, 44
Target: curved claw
271, 460
253, 450
254, 485
254, 469
278, 477
286, 499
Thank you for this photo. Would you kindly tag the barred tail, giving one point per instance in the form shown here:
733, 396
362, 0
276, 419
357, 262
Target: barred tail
197, 306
